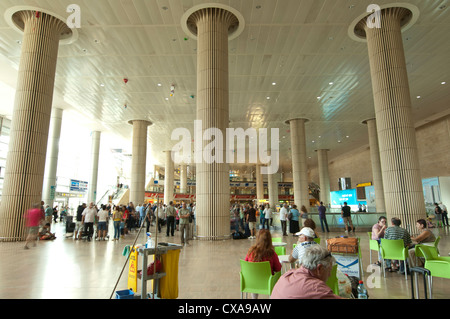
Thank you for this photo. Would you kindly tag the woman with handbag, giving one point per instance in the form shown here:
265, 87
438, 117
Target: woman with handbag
293, 220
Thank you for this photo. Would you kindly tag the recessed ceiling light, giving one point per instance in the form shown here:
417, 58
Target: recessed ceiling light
443, 83
313, 141
268, 97
159, 84
19, 42
418, 96
102, 85
116, 99
347, 136
167, 99
320, 136
319, 97
274, 83
339, 141
331, 83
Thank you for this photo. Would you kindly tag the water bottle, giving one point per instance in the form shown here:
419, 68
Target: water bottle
362, 291
150, 242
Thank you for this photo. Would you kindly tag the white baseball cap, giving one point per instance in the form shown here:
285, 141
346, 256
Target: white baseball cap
307, 231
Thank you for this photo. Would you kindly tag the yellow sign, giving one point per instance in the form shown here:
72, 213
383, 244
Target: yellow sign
132, 270
364, 184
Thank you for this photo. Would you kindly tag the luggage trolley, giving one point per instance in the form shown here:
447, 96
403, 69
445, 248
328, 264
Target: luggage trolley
347, 252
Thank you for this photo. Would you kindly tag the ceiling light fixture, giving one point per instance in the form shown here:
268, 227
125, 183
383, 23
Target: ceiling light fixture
443, 83
274, 83
418, 96
331, 83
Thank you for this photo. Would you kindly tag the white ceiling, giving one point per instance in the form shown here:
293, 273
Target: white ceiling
301, 45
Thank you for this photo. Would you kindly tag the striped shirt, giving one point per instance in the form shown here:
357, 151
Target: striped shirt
396, 232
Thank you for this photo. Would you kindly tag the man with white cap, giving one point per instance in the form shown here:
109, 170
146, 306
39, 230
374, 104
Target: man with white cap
305, 240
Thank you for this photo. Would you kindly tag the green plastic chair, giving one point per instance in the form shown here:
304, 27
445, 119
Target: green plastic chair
373, 245
280, 250
438, 266
435, 245
332, 281
257, 278
277, 240
394, 249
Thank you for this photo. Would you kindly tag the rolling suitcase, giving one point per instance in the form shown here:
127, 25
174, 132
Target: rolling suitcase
426, 275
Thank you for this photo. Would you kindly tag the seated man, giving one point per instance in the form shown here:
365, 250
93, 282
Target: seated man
308, 281
45, 234
396, 232
305, 241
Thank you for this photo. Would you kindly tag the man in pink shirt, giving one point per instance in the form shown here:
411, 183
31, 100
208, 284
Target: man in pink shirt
308, 281
34, 217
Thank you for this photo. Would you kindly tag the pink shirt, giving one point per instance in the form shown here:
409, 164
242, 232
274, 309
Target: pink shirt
275, 264
33, 217
300, 283
377, 228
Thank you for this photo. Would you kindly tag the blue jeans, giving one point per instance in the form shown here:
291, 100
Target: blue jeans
322, 221
117, 229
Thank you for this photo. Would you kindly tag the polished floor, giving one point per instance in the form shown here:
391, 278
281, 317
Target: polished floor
70, 269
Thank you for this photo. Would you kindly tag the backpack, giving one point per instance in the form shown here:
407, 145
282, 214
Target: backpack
239, 235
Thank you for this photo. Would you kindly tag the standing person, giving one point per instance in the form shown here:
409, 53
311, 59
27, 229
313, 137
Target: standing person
293, 220
184, 214
159, 212
88, 219
192, 221
102, 223
303, 214
444, 214
34, 217
48, 214
322, 217
79, 222
55, 214
346, 216
263, 251
262, 218
170, 217
142, 211
251, 220
268, 215
117, 217
438, 213
283, 218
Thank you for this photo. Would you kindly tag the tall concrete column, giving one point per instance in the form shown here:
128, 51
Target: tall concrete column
272, 182
212, 27
183, 179
299, 165
376, 166
168, 178
395, 126
138, 161
324, 177
259, 184
25, 164
49, 188
93, 173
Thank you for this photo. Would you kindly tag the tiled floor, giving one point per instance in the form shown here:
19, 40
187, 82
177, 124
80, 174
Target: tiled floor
69, 269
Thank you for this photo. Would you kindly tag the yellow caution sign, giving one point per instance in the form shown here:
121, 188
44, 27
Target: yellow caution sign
132, 270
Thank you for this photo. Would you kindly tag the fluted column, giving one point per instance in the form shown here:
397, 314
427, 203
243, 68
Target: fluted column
212, 180
49, 188
299, 165
138, 161
259, 184
376, 166
272, 182
168, 178
25, 163
324, 177
395, 126
183, 179
93, 175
